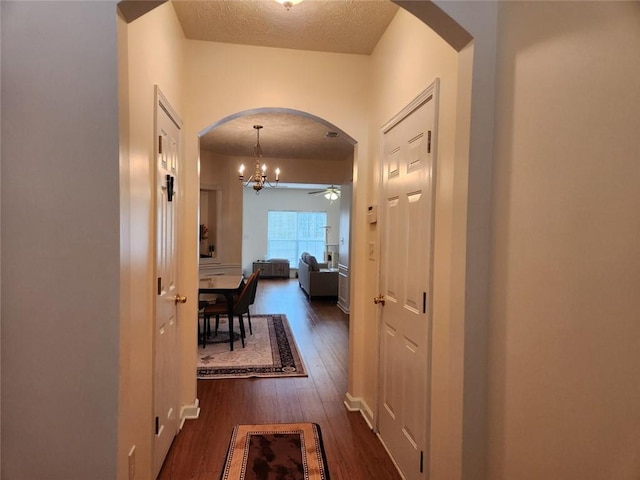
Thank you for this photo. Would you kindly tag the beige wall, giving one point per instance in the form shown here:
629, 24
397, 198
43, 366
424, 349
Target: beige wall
565, 316
154, 44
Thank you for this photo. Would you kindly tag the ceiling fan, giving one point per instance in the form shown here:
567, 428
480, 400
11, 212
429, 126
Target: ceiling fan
330, 193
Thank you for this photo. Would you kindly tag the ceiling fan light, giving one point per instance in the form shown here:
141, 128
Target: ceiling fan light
331, 195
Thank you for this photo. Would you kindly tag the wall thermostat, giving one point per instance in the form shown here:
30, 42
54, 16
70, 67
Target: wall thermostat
372, 214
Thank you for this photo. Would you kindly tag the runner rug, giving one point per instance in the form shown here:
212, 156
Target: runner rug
291, 451
270, 352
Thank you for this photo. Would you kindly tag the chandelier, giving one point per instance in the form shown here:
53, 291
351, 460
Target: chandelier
259, 179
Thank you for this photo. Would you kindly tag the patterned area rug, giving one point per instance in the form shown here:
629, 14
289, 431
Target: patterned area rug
270, 352
291, 451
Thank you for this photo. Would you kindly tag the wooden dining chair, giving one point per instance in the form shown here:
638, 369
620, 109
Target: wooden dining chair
240, 308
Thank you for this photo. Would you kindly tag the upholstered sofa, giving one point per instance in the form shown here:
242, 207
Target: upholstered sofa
315, 279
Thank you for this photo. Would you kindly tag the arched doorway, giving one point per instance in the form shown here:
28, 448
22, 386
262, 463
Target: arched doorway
311, 153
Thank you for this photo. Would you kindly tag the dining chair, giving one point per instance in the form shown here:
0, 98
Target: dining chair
240, 308
202, 334
206, 327
253, 299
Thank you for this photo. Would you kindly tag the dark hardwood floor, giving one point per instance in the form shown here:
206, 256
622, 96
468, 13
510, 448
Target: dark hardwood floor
321, 331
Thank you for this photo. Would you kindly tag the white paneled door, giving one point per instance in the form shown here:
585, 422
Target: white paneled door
166, 353
405, 283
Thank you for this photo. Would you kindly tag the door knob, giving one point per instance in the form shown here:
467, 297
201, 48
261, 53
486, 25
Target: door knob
379, 300
181, 299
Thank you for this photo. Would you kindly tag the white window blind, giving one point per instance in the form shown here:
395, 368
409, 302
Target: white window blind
289, 234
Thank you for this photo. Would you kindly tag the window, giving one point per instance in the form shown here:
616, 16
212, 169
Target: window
291, 233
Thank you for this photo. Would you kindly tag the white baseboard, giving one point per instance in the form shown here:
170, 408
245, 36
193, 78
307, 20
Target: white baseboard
189, 412
344, 308
357, 404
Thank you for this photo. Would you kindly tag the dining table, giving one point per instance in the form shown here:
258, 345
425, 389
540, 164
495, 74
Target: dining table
226, 285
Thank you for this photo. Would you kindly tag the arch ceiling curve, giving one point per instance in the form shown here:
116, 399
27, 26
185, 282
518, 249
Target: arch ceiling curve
287, 133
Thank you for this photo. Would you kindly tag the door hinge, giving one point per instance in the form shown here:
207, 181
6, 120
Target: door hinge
421, 461
159, 144
429, 141
170, 180
159, 285
158, 425
424, 302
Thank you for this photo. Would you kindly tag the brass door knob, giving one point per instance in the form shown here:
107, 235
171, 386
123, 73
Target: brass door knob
181, 299
379, 300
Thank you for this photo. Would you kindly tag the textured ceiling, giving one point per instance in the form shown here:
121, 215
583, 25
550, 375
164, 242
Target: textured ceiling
338, 26
285, 135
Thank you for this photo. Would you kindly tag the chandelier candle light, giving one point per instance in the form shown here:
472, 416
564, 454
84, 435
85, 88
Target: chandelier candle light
259, 179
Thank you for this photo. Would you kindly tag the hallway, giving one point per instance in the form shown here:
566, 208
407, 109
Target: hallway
321, 331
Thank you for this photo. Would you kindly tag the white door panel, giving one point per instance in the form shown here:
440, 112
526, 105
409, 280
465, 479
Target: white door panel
405, 282
166, 354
